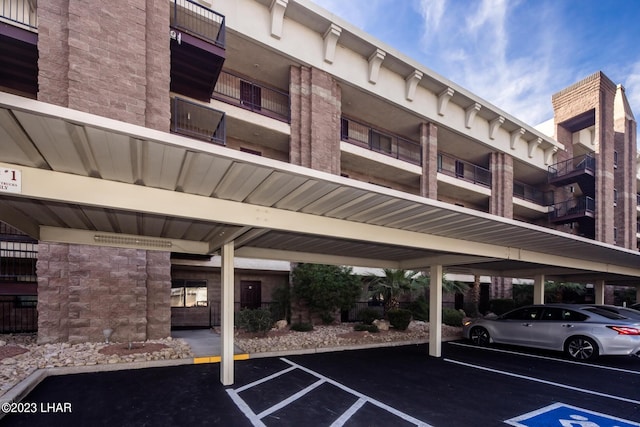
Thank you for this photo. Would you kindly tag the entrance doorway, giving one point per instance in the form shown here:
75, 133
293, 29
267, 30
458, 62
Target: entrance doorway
250, 294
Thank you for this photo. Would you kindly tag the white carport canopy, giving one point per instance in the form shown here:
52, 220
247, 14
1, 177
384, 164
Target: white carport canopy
90, 180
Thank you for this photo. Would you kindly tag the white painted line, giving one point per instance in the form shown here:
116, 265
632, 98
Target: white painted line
375, 402
510, 374
246, 410
516, 421
349, 413
535, 356
263, 380
290, 399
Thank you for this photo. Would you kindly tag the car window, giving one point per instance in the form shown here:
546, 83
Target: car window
605, 313
552, 314
526, 313
573, 316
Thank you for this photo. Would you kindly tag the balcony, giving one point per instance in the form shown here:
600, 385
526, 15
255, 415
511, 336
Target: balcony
240, 91
197, 121
579, 170
197, 49
531, 194
379, 141
465, 171
580, 210
19, 47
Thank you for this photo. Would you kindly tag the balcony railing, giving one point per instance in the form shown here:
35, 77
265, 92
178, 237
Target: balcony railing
20, 12
532, 194
18, 262
381, 142
258, 98
574, 208
584, 163
197, 121
466, 171
199, 21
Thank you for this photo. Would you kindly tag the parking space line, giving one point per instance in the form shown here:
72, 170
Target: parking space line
349, 413
256, 419
290, 399
535, 356
264, 380
373, 401
511, 374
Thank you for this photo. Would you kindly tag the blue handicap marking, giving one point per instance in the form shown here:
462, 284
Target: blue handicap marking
562, 415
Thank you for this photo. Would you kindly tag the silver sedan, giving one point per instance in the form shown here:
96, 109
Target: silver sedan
582, 332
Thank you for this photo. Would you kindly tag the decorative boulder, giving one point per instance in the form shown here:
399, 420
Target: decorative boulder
281, 324
382, 325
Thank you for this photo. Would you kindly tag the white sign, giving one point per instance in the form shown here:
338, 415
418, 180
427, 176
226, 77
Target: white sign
10, 181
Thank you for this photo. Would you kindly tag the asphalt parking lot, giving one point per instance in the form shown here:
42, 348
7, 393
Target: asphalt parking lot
397, 386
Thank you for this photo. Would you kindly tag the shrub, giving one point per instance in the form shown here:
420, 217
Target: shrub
420, 309
368, 328
501, 306
452, 317
399, 318
301, 327
368, 315
256, 320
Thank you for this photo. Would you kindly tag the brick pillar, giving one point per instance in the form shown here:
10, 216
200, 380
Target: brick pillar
501, 185
429, 147
107, 59
53, 293
158, 295
315, 120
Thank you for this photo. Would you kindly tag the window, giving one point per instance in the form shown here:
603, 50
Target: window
189, 293
615, 159
615, 197
527, 313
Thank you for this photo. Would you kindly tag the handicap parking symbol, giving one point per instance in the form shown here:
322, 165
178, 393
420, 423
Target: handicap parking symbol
562, 415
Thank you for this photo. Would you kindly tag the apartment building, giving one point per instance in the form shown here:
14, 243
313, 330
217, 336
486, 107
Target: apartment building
287, 81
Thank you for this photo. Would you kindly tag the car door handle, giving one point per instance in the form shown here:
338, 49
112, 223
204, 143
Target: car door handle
567, 326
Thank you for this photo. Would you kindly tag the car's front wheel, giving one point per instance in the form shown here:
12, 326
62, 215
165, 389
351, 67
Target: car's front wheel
581, 348
480, 336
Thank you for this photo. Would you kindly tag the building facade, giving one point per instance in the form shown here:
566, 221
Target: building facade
285, 79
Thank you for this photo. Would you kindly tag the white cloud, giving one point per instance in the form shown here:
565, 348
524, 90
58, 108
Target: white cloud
632, 87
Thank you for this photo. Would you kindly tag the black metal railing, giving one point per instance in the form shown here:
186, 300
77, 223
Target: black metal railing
382, 142
20, 11
532, 194
585, 163
18, 314
238, 90
638, 199
581, 206
18, 262
197, 121
199, 21
461, 169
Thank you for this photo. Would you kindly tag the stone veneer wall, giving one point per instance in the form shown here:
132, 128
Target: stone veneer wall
85, 289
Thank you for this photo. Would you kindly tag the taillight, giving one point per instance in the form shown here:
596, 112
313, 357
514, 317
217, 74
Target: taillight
625, 330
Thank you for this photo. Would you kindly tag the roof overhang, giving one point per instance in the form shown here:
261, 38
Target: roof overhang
87, 179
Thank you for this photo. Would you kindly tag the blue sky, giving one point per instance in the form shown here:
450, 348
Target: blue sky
513, 53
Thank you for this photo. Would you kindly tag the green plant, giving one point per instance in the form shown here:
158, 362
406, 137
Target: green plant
420, 309
301, 327
394, 284
501, 306
399, 318
452, 317
325, 289
368, 315
369, 328
255, 320
327, 318
281, 307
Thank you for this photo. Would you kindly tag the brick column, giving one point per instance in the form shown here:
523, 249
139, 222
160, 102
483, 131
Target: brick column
53, 293
158, 295
429, 147
315, 120
501, 203
106, 60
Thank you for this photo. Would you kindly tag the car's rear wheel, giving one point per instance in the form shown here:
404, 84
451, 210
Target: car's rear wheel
581, 348
480, 336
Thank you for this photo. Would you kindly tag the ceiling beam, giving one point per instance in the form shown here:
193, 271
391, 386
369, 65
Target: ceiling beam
314, 258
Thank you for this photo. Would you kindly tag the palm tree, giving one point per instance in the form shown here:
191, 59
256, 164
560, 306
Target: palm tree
394, 284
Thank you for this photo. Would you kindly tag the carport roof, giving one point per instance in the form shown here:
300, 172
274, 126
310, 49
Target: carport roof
91, 180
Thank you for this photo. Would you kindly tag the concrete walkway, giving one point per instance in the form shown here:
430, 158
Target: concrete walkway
203, 342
